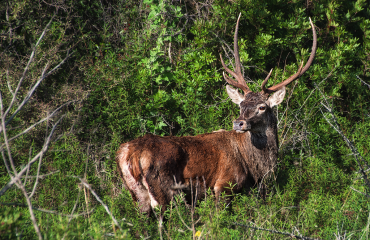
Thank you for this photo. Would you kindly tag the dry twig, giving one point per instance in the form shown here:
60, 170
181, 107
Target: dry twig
72, 215
100, 201
277, 232
5, 148
334, 124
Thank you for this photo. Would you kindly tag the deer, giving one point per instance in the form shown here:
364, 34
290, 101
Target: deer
152, 166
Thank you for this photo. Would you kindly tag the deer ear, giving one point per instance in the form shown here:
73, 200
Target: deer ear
277, 97
234, 94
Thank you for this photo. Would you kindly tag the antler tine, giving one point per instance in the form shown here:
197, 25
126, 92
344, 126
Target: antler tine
313, 51
300, 70
237, 74
235, 84
236, 50
265, 81
284, 83
228, 70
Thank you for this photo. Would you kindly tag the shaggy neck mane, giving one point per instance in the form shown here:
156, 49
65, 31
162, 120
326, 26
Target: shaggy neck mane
260, 151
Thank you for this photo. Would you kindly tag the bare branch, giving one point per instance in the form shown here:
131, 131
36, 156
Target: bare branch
37, 177
27, 66
182, 220
309, 96
366, 195
41, 176
277, 232
39, 166
8, 82
49, 211
30, 93
6, 140
360, 172
6, 164
34, 159
337, 128
29, 204
99, 200
38, 123
28, 169
5, 148
363, 81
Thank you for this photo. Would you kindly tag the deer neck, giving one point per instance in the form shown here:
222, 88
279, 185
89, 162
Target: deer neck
260, 151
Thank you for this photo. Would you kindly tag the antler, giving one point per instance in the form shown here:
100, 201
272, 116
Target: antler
300, 70
265, 81
237, 74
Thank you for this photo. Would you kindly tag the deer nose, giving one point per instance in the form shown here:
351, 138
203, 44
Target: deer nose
241, 125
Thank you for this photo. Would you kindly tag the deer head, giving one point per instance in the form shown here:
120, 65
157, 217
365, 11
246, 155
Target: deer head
255, 108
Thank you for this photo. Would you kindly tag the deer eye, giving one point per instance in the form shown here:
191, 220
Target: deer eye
262, 108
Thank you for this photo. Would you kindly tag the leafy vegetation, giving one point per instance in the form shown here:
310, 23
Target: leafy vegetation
107, 72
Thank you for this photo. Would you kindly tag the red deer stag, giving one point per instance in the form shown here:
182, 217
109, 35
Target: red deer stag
151, 165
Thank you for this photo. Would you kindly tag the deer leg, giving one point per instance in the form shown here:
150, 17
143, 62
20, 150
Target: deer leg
218, 189
153, 201
222, 186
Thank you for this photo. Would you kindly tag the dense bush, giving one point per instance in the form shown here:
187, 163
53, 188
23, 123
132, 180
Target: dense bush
137, 67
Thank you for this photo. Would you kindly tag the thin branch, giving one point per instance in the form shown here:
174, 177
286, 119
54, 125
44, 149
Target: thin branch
30, 93
337, 128
41, 176
349, 144
39, 122
178, 32
182, 220
169, 52
8, 82
6, 163
6, 140
34, 159
360, 172
99, 200
37, 177
29, 204
277, 232
28, 169
39, 165
48, 211
27, 66
363, 81
308, 97
366, 195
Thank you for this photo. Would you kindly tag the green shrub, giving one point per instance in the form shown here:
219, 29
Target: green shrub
153, 67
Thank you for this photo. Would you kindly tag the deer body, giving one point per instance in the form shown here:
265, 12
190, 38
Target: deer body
151, 166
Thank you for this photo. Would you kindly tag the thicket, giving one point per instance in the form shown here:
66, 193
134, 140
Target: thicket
80, 77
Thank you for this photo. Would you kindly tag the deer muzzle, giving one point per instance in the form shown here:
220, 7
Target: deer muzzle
241, 126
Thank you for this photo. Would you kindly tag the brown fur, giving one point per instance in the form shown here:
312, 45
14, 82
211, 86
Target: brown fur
156, 164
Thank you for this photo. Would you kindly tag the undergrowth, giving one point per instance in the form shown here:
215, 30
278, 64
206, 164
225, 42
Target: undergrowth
127, 68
